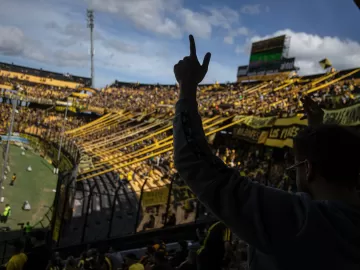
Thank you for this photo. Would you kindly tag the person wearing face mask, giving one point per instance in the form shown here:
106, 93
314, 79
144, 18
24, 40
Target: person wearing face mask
316, 228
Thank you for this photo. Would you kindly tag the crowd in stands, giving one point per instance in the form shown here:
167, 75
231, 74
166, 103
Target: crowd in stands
214, 244
156, 101
270, 99
45, 74
273, 98
36, 121
276, 98
33, 92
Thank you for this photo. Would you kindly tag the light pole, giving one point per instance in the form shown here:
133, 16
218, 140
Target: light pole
56, 170
6, 156
90, 25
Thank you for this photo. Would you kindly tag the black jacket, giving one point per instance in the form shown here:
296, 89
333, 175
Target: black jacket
286, 231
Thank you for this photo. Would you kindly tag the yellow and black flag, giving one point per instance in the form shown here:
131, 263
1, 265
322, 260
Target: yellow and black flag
325, 63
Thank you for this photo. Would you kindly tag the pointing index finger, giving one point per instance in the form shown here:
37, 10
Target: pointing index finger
192, 46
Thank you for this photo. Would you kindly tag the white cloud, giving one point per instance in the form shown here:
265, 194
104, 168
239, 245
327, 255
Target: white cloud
120, 45
58, 37
11, 40
229, 40
243, 31
233, 33
224, 17
150, 15
309, 49
239, 49
169, 17
196, 23
220, 72
251, 9
53, 34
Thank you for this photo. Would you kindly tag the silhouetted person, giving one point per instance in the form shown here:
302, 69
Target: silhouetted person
317, 228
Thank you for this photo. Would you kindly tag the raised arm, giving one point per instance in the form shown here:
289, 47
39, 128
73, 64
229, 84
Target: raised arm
262, 216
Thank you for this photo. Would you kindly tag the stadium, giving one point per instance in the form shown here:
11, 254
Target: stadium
95, 167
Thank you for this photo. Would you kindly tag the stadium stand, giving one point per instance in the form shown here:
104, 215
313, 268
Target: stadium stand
124, 136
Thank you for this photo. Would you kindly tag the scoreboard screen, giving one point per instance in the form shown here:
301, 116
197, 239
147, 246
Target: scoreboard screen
268, 44
267, 54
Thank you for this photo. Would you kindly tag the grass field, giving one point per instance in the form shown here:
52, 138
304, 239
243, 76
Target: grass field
36, 187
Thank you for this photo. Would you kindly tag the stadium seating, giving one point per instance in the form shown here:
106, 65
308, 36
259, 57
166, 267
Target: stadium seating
126, 147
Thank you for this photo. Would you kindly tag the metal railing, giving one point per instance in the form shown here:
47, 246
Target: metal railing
103, 210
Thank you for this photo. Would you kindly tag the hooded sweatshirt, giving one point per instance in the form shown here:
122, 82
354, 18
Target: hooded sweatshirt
285, 231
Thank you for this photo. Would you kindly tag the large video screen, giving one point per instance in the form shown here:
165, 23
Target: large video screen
267, 54
268, 44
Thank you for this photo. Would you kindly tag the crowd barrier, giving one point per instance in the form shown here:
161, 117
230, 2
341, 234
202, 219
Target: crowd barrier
88, 215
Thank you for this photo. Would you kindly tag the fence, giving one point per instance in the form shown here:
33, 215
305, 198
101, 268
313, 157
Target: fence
103, 210
105, 207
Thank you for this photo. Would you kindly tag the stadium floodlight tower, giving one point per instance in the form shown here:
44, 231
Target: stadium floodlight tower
90, 25
7, 147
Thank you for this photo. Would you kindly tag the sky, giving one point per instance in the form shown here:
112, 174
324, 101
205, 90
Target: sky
141, 40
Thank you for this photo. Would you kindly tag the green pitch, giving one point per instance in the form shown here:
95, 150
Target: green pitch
36, 187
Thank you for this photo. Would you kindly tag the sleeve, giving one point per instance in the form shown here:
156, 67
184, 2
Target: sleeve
262, 216
227, 235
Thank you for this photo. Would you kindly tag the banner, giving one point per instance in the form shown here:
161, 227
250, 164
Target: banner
279, 132
259, 122
155, 197
349, 116
14, 139
62, 103
256, 122
80, 95
284, 130
94, 109
62, 109
246, 133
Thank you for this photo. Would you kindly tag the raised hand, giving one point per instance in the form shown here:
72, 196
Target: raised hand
314, 113
189, 73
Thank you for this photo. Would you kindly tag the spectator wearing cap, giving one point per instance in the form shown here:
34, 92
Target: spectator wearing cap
316, 228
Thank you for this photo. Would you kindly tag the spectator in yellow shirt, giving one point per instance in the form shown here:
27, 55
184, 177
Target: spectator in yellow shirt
19, 258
